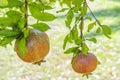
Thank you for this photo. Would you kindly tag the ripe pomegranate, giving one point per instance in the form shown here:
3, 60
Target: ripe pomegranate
37, 46
84, 64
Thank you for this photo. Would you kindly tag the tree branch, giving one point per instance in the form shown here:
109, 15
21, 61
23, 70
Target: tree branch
93, 15
81, 25
26, 14
41, 2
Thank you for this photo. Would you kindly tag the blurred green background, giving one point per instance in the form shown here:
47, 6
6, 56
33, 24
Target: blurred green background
58, 66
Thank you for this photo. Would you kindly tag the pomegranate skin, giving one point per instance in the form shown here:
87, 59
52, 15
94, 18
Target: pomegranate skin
84, 64
37, 47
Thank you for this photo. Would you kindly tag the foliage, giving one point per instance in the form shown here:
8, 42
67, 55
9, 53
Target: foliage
14, 20
75, 20
57, 66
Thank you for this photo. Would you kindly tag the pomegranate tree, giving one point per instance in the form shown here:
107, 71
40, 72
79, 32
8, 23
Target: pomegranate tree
32, 43
31, 39
80, 24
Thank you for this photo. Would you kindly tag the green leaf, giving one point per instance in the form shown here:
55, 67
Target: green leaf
66, 39
30, 0
72, 50
41, 26
99, 62
47, 7
69, 18
39, 7
92, 39
26, 32
98, 30
3, 3
14, 16
46, 16
78, 41
5, 22
91, 26
23, 9
36, 13
21, 23
67, 2
74, 33
35, 7
77, 8
62, 10
84, 10
6, 40
85, 48
77, 19
106, 31
91, 0
77, 2
14, 3
88, 18
11, 3
8, 33
22, 46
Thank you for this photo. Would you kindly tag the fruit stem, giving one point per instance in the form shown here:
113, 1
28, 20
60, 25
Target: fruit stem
86, 75
26, 14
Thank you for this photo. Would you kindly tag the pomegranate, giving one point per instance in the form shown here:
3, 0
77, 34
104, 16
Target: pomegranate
37, 46
84, 64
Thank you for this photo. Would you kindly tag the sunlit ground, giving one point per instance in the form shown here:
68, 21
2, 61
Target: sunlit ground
58, 66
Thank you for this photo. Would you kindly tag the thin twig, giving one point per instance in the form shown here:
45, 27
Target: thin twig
93, 15
41, 2
26, 14
81, 26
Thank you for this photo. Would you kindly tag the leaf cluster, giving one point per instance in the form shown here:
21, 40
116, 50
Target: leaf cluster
14, 20
75, 19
